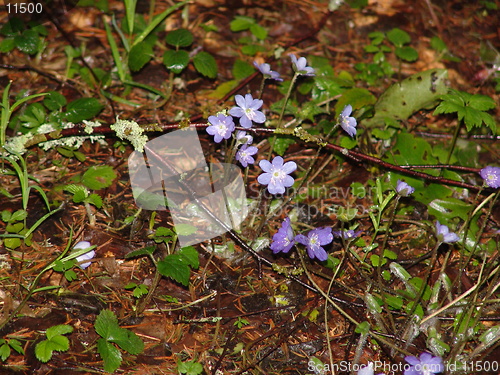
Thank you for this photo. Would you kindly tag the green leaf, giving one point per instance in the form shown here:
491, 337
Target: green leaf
77, 189
139, 55
59, 343
106, 323
258, 31
363, 327
82, 109
61, 329
95, 200
129, 342
282, 143
401, 100
242, 69
357, 97
43, 351
205, 64
18, 215
141, 252
190, 255
406, 53
28, 42
7, 45
54, 101
241, 23
398, 37
438, 44
4, 352
99, 177
180, 38
185, 229
190, 368
110, 355
176, 61
448, 208
175, 267
16, 345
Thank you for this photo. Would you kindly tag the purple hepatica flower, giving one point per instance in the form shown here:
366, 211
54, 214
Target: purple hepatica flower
300, 66
404, 189
427, 364
247, 110
444, 235
346, 234
283, 239
86, 256
314, 240
367, 370
243, 138
491, 176
266, 71
244, 155
221, 127
276, 175
347, 122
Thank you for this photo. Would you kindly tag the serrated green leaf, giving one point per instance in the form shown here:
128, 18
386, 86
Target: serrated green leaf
129, 342
175, 267
99, 177
205, 64
190, 368
481, 102
95, 200
61, 329
176, 61
141, 252
139, 55
110, 355
282, 143
241, 23
398, 37
4, 352
106, 324
74, 189
191, 256
54, 101
179, 38
43, 351
82, 109
16, 345
59, 343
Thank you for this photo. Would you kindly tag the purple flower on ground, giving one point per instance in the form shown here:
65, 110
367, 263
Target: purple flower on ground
346, 234
300, 66
283, 239
315, 240
276, 175
444, 235
244, 155
427, 364
266, 71
221, 127
367, 370
86, 256
491, 176
247, 110
404, 189
347, 122
243, 138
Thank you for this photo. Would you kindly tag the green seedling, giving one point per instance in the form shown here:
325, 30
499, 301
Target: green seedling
56, 341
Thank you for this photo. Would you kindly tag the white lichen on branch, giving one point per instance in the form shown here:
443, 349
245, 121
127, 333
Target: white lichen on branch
130, 131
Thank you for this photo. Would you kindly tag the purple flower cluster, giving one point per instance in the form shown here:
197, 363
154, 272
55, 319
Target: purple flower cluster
443, 234
284, 239
426, 364
491, 176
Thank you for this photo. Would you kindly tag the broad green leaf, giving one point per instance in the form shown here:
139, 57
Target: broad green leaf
398, 37
282, 143
241, 23
99, 177
242, 69
82, 109
176, 61
438, 44
129, 342
106, 323
95, 200
61, 329
16, 345
7, 45
191, 256
448, 208
176, 267
4, 352
19, 215
59, 343
401, 100
110, 355
179, 38
357, 97
205, 64
258, 31
406, 53
54, 101
43, 351
28, 42
139, 55
190, 367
